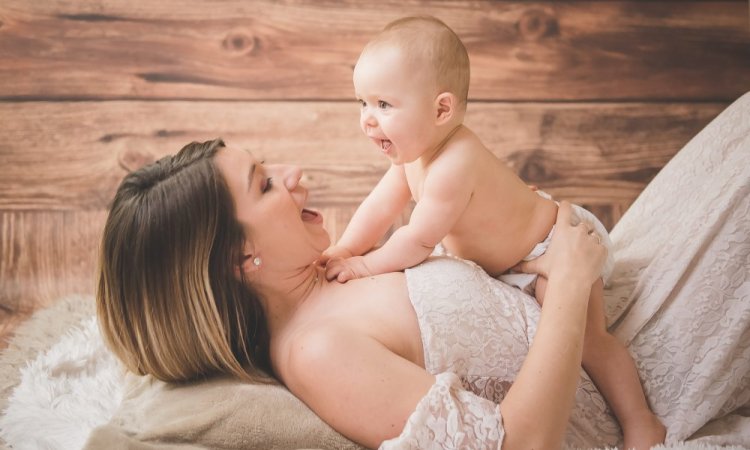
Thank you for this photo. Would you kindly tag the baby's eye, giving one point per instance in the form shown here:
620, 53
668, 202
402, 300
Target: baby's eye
266, 185
362, 103
383, 105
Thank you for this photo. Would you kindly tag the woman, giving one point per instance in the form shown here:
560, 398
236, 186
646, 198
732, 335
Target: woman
209, 266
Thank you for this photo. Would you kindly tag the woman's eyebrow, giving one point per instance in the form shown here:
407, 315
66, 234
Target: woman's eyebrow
250, 176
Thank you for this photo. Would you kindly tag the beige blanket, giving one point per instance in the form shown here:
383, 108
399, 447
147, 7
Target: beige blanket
218, 413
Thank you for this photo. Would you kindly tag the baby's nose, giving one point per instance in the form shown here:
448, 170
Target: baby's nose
367, 119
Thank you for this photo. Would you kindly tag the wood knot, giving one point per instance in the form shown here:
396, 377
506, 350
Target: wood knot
536, 24
532, 166
240, 43
132, 159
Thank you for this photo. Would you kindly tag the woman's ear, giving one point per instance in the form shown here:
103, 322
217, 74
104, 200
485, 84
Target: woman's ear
446, 103
249, 262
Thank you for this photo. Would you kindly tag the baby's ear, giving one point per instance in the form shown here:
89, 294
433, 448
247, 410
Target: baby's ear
446, 103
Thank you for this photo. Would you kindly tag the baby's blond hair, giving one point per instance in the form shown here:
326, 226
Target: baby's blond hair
434, 46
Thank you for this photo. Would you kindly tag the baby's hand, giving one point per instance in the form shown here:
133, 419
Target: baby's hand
345, 269
334, 251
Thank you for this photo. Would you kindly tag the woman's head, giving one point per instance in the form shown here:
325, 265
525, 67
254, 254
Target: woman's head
280, 233
170, 300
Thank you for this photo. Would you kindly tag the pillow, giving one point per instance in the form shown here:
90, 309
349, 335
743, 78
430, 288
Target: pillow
215, 413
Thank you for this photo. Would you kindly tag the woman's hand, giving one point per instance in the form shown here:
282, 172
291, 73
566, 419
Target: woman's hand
575, 250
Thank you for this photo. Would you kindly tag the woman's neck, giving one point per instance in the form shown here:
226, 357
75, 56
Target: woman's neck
283, 296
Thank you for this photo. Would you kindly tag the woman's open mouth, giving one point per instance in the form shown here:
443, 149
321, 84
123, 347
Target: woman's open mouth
309, 215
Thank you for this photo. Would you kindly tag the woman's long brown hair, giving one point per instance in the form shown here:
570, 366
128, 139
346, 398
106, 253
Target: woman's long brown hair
168, 301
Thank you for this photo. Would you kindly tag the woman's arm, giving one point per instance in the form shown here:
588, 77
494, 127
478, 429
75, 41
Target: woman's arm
542, 395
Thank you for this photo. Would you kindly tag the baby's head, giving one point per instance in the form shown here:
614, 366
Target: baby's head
434, 51
412, 81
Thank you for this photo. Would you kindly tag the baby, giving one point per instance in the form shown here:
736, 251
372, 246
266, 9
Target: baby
412, 82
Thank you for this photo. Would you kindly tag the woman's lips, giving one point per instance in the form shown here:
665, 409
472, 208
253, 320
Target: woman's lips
309, 215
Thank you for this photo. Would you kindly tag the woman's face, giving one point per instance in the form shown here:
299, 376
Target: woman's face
270, 205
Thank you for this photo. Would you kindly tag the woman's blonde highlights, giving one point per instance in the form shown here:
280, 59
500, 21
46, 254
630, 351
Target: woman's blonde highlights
168, 301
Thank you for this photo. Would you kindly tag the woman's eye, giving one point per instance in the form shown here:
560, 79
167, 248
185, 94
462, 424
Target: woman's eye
267, 184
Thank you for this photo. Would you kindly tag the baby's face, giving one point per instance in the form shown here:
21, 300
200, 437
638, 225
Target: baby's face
397, 103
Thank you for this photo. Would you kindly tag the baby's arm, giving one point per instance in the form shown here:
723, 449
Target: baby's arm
373, 217
446, 193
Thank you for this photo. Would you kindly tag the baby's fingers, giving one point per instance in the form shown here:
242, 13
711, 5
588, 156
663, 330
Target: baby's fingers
326, 257
333, 268
345, 276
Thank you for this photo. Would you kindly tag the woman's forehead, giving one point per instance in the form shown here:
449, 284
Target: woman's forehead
240, 151
234, 164
237, 155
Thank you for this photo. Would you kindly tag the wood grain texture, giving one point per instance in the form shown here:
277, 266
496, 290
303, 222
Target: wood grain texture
260, 50
45, 255
71, 156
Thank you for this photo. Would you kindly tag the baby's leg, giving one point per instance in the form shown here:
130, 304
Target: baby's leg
540, 288
613, 371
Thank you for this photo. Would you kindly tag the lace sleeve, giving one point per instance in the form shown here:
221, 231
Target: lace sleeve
451, 417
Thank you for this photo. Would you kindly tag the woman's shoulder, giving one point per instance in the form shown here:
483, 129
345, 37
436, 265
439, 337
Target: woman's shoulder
301, 349
343, 315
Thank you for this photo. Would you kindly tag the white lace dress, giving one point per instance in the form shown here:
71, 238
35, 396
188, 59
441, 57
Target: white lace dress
679, 296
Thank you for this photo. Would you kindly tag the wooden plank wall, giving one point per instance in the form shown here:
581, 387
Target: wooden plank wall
585, 99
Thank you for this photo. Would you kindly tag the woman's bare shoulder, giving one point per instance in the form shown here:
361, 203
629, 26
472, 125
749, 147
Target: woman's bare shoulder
342, 312
353, 382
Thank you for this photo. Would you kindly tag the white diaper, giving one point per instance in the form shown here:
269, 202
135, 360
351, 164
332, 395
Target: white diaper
527, 281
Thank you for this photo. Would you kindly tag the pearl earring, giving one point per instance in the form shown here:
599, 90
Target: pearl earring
257, 261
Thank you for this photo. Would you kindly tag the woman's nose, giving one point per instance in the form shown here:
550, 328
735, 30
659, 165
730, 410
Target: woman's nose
291, 176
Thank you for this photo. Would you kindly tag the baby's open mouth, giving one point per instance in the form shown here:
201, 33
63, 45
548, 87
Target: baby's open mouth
385, 145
